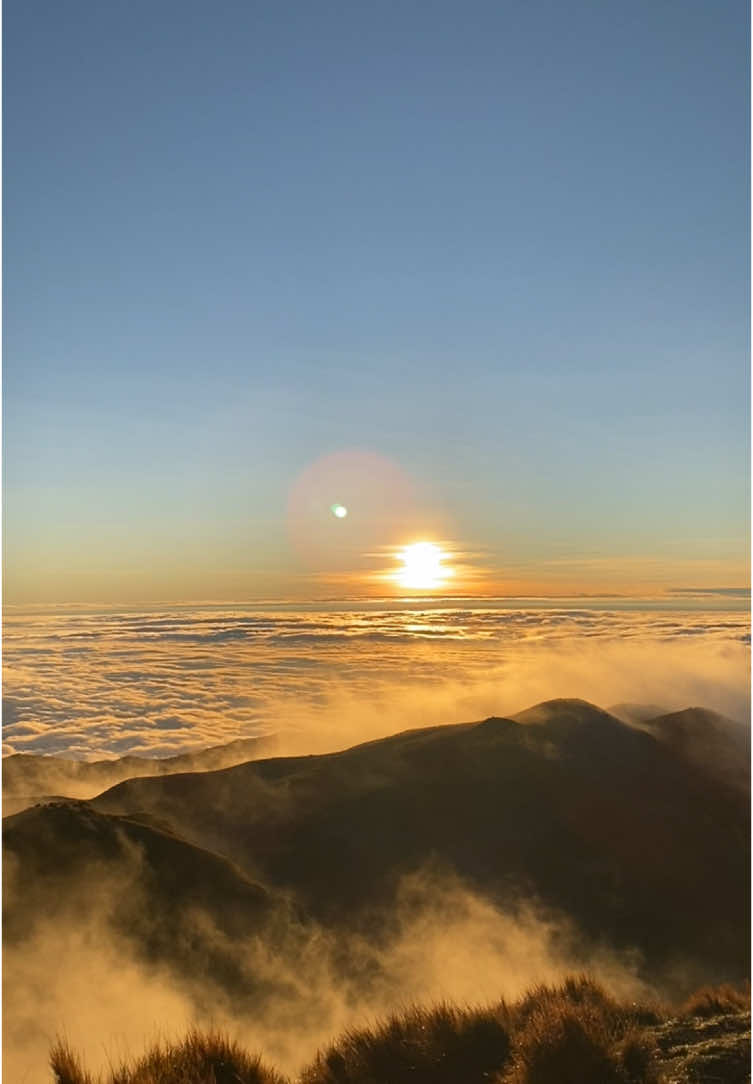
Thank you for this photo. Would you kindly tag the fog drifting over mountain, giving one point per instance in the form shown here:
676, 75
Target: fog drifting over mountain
161, 682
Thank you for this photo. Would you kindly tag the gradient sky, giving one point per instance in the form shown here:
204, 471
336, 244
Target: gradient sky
501, 248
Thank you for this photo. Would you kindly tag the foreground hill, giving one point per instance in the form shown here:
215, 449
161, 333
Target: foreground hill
28, 778
564, 802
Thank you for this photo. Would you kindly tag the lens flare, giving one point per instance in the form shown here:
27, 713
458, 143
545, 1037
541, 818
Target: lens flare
376, 498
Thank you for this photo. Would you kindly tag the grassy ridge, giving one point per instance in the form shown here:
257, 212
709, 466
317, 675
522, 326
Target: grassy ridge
575, 1033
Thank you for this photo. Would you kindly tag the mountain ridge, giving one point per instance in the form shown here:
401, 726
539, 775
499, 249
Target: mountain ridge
28, 778
565, 802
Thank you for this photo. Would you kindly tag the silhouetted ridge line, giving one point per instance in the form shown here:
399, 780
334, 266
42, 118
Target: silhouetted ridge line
594, 817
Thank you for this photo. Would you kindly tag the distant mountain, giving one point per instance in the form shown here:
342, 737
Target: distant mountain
718, 745
564, 802
713, 742
29, 778
636, 713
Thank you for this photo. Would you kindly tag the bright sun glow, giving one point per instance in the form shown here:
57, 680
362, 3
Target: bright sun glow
422, 566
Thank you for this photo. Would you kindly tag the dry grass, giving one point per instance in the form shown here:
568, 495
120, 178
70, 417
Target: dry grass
581, 992
571, 1044
440, 1045
66, 1066
717, 1001
201, 1058
574, 1033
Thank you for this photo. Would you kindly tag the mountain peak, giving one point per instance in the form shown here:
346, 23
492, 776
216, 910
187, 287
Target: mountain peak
567, 712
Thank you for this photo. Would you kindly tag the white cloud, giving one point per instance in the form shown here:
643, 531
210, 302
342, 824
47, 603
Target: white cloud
157, 683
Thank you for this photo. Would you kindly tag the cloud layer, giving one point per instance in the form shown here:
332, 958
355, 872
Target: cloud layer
158, 682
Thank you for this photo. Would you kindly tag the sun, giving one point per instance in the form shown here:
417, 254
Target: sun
422, 566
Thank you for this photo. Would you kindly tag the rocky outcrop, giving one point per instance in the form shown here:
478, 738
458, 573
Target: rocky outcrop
711, 1050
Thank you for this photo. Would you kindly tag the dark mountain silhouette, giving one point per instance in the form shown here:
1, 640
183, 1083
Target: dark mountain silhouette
564, 802
718, 745
636, 713
16, 803
29, 778
67, 863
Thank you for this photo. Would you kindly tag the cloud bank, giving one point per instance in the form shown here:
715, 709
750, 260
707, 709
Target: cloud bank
106, 683
159, 682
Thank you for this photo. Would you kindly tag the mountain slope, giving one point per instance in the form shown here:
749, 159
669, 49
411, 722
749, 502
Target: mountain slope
28, 778
564, 802
711, 741
66, 863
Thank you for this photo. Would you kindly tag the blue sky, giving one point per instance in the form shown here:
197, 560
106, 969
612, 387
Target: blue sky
504, 246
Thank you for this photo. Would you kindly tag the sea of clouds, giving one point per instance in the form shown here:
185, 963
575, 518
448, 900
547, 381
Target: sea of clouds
105, 682
95, 683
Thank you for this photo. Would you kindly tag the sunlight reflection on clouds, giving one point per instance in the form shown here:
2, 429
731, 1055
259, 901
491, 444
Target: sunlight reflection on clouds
160, 682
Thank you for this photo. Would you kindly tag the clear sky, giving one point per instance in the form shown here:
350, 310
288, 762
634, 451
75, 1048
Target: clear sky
478, 271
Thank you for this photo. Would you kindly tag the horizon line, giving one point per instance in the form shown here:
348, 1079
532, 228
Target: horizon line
666, 594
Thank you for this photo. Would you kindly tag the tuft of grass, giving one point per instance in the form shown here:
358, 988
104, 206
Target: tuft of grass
200, 1058
582, 990
717, 1001
576, 1033
440, 1045
66, 1066
637, 1053
564, 1043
